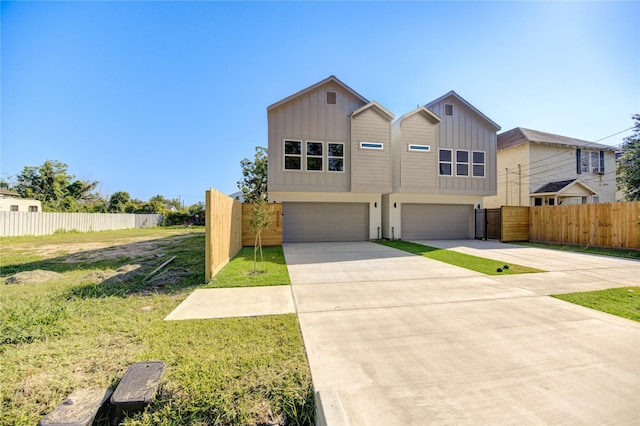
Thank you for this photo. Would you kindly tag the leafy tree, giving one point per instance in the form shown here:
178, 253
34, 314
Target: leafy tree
118, 201
55, 187
151, 207
628, 169
175, 202
254, 177
259, 220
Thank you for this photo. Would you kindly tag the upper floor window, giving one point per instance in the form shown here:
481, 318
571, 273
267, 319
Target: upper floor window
371, 145
332, 98
314, 156
445, 160
591, 161
33, 208
462, 163
292, 155
448, 109
478, 163
419, 148
335, 157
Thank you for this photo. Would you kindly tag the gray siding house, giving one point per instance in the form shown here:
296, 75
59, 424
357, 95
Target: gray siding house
539, 168
345, 172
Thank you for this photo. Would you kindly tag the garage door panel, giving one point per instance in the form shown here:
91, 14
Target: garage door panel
316, 222
436, 221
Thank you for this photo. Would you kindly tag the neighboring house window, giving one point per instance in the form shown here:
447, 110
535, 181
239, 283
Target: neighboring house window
335, 157
478, 163
462, 163
371, 145
13, 208
419, 148
331, 98
537, 201
591, 161
445, 160
292, 155
314, 156
595, 199
33, 209
552, 202
448, 109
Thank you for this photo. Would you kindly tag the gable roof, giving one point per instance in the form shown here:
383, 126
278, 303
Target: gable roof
561, 186
520, 135
8, 193
467, 104
330, 79
427, 113
377, 107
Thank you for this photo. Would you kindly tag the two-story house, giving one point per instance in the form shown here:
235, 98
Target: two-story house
537, 168
344, 172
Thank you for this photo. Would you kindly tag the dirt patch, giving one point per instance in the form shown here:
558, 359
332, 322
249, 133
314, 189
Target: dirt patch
33, 277
122, 274
169, 277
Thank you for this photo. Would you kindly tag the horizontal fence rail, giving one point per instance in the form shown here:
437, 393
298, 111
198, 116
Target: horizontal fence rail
16, 224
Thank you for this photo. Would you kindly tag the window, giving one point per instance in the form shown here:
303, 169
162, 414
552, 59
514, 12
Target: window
419, 148
13, 208
33, 209
292, 155
537, 201
335, 157
314, 156
448, 109
462, 163
445, 161
331, 98
478, 163
595, 199
591, 161
371, 145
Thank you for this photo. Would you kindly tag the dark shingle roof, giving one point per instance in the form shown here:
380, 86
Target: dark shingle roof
554, 186
520, 135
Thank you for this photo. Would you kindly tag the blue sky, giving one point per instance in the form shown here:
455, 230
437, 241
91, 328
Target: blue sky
168, 97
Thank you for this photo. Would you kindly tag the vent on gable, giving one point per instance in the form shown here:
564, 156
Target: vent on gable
448, 109
331, 98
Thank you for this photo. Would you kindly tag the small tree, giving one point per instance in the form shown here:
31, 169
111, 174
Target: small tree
259, 220
254, 177
628, 169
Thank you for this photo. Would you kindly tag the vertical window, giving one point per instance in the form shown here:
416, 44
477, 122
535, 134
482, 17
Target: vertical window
462, 163
13, 208
591, 161
478, 163
33, 209
335, 157
292, 155
445, 162
537, 201
448, 109
331, 98
595, 199
314, 156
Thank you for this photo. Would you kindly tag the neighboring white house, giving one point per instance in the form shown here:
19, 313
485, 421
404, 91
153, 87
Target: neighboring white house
537, 168
11, 201
344, 172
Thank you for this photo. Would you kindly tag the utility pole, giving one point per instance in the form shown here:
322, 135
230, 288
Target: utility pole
519, 185
506, 187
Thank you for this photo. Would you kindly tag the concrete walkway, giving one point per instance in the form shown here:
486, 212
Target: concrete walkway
398, 339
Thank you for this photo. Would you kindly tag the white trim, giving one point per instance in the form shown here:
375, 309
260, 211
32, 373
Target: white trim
483, 164
307, 156
462, 162
419, 148
284, 155
371, 145
445, 162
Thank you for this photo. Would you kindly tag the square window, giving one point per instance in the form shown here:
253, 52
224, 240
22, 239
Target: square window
335, 150
445, 155
478, 170
336, 164
331, 98
445, 169
462, 156
462, 170
314, 148
292, 147
314, 164
292, 163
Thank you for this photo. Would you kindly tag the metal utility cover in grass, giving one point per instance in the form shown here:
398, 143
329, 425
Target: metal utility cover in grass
78, 409
138, 386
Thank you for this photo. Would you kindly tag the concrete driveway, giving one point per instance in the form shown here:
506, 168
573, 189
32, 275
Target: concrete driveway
398, 339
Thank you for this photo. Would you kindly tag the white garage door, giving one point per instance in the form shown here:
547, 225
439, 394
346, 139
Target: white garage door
436, 221
315, 222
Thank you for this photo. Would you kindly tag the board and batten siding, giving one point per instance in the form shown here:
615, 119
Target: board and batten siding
309, 118
466, 130
370, 168
418, 171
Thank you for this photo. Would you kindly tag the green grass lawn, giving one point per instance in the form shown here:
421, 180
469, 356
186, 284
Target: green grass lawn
623, 302
239, 271
72, 332
474, 263
615, 252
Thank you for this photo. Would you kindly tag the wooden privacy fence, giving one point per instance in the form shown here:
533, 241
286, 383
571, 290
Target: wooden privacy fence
223, 237
514, 224
272, 236
603, 225
14, 224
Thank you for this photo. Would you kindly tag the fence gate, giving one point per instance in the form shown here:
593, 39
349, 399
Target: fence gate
488, 224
